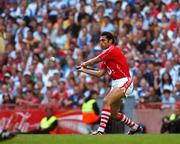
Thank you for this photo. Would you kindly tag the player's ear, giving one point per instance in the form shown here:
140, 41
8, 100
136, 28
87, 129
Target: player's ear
111, 41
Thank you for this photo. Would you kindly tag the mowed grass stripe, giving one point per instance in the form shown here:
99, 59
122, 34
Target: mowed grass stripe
101, 139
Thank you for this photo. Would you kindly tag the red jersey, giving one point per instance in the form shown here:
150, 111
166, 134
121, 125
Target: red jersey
114, 61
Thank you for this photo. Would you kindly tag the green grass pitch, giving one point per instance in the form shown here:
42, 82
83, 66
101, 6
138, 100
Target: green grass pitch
100, 139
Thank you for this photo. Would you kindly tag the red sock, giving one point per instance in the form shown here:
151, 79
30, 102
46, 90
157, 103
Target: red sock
106, 113
127, 121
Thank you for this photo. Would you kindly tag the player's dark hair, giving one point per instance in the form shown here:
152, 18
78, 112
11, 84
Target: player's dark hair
109, 36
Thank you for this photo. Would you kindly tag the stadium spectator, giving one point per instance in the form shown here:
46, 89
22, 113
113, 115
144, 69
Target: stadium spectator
143, 88
169, 67
166, 80
148, 74
48, 98
38, 90
61, 39
83, 38
4, 89
7, 99
177, 91
150, 97
107, 25
28, 99
61, 94
135, 89
75, 100
167, 97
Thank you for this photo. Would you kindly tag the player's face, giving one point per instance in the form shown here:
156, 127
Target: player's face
104, 42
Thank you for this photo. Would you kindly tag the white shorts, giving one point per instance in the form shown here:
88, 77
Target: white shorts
124, 83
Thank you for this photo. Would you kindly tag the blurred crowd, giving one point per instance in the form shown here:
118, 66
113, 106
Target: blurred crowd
42, 42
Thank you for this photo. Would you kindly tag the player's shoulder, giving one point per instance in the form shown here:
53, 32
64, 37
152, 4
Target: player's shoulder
116, 48
112, 49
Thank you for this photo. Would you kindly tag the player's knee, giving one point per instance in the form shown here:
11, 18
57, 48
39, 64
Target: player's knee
114, 115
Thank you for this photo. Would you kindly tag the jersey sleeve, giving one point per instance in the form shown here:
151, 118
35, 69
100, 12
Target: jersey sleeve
102, 66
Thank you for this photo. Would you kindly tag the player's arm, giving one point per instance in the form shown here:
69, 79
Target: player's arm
96, 73
91, 62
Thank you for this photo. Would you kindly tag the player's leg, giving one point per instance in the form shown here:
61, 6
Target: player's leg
123, 118
115, 107
114, 95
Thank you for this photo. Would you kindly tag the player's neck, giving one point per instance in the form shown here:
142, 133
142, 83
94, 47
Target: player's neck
110, 46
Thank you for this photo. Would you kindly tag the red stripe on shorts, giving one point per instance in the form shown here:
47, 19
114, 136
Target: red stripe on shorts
127, 84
